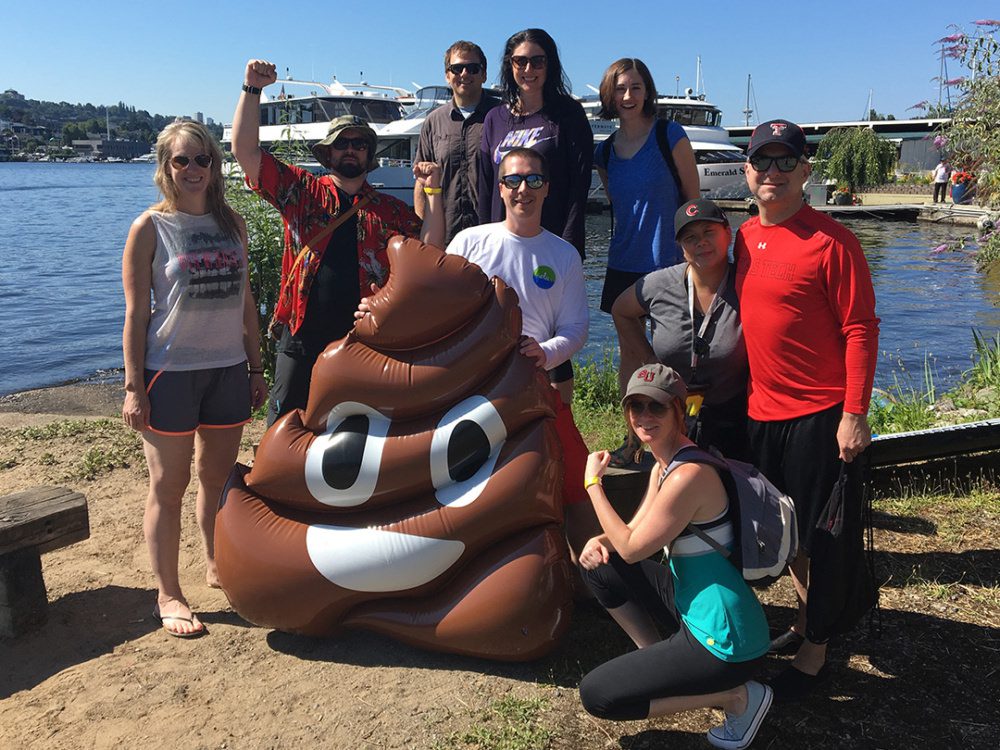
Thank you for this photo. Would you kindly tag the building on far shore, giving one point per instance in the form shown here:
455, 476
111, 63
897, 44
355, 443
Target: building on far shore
116, 148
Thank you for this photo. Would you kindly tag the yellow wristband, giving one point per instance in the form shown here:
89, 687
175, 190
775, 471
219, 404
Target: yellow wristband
591, 482
432, 191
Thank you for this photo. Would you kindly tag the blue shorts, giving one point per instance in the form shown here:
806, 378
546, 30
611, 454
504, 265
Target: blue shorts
182, 401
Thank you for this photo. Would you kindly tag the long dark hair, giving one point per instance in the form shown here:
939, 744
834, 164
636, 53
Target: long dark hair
556, 88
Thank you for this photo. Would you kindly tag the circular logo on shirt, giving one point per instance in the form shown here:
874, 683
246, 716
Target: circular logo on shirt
544, 277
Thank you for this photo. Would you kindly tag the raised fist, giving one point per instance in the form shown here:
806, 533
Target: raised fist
260, 73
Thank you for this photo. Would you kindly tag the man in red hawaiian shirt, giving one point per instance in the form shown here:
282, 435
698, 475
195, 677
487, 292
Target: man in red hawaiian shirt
324, 274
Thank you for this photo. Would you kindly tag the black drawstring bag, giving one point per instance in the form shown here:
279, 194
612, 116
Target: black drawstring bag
842, 587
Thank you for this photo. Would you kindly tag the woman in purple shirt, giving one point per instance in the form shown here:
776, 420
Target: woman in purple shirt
539, 113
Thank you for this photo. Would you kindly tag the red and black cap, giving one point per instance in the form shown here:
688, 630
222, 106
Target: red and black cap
699, 210
786, 133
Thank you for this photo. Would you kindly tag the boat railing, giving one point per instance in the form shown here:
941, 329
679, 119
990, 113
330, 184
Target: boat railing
387, 162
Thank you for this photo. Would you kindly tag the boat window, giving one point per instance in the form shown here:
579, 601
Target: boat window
394, 149
297, 111
719, 157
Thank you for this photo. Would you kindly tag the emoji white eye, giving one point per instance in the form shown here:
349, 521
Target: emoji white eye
464, 451
342, 464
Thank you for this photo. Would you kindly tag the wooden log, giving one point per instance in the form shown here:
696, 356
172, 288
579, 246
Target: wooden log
23, 603
45, 518
32, 522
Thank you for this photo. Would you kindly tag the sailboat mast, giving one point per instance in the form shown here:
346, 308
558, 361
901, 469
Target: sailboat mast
747, 111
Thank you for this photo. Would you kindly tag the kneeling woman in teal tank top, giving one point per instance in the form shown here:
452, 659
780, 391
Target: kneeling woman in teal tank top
717, 633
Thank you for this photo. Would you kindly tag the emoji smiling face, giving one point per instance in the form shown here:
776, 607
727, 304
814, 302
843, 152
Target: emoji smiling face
417, 494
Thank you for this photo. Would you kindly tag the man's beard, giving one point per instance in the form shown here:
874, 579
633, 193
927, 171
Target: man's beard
350, 170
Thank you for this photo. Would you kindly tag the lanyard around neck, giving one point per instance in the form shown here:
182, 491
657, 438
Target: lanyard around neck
703, 329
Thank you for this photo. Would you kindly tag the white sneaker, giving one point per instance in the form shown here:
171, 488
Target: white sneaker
737, 732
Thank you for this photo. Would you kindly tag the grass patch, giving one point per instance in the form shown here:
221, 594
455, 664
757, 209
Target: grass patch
107, 445
596, 408
508, 723
958, 517
985, 371
904, 406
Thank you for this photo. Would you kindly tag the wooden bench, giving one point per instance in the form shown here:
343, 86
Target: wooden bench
32, 522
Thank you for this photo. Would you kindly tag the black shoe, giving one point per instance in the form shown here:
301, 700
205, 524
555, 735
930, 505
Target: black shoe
792, 685
786, 643
628, 454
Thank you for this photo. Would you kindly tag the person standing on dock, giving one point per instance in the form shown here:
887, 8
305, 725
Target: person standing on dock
940, 177
336, 231
808, 311
451, 135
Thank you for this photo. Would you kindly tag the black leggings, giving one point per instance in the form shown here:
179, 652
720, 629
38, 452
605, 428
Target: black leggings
622, 688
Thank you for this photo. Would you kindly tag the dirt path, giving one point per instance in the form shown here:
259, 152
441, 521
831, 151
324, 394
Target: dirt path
100, 674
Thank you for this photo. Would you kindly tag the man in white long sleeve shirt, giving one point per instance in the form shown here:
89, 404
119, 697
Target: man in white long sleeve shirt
544, 269
547, 274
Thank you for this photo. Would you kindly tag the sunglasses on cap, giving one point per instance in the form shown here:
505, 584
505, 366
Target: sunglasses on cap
358, 144
181, 162
513, 181
456, 69
637, 408
783, 163
521, 61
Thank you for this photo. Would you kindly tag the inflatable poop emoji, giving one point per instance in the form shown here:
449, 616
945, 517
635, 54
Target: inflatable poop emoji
418, 493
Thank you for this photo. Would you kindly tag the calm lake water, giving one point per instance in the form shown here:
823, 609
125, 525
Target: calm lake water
63, 228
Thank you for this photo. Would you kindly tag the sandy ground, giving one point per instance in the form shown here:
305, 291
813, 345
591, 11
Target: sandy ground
100, 674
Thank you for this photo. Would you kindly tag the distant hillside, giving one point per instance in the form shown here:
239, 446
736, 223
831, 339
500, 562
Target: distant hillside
73, 121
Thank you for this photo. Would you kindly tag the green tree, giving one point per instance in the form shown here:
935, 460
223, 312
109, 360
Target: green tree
972, 138
856, 157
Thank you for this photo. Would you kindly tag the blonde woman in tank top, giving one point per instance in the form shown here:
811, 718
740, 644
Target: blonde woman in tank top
192, 353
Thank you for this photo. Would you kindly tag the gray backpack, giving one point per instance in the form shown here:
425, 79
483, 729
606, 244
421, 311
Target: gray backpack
767, 537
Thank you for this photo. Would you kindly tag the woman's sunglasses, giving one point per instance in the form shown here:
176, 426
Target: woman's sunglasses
513, 181
784, 163
181, 162
637, 408
456, 69
521, 61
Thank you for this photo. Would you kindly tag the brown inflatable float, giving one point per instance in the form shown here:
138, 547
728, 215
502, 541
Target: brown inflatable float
418, 493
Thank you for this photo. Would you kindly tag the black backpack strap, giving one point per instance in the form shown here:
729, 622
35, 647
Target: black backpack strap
606, 151
663, 141
696, 455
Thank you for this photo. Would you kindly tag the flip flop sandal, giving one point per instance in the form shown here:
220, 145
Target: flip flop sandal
162, 619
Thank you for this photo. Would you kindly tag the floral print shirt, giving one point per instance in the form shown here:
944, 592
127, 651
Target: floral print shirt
307, 204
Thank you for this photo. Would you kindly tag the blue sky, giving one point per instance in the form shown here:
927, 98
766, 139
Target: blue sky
809, 62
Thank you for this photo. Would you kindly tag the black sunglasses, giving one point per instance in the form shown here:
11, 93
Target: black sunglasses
636, 408
456, 69
784, 163
513, 181
358, 144
521, 61
181, 162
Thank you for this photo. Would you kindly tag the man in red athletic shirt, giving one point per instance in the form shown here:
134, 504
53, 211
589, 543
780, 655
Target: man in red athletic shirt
811, 333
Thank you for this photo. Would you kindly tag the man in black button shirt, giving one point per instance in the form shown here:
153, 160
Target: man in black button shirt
451, 134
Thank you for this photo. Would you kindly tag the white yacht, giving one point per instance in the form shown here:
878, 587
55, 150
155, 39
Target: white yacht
396, 115
306, 116
720, 162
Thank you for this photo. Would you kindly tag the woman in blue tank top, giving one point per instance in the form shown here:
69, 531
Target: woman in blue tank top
717, 633
643, 188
